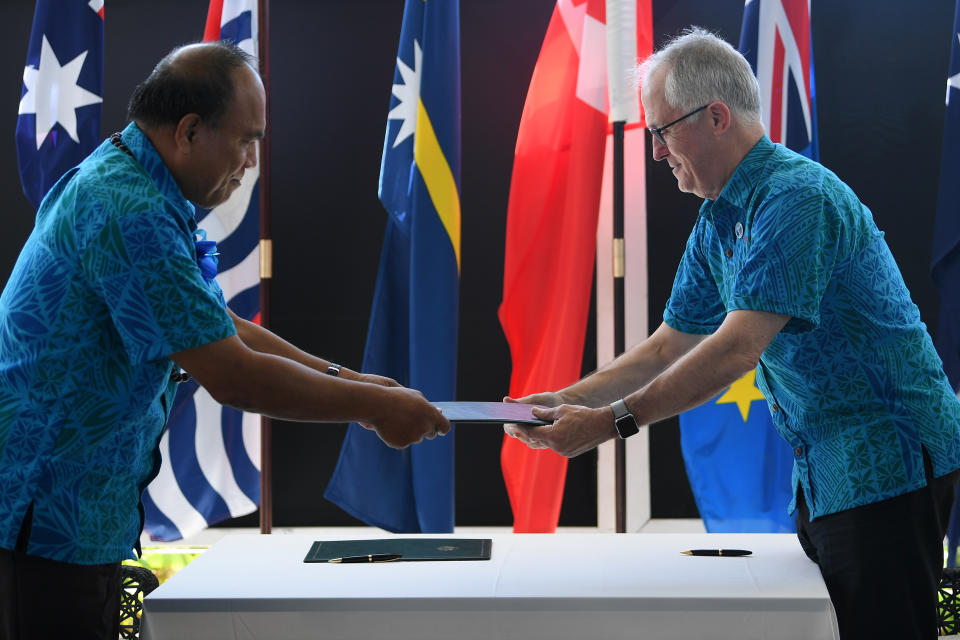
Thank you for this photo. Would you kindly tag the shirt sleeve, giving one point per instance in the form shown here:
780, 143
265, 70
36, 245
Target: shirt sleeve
694, 305
791, 253
144, 267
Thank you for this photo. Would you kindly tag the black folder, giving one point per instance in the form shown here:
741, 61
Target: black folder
410, 549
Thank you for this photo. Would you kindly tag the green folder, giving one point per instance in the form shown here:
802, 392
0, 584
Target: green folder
410, 549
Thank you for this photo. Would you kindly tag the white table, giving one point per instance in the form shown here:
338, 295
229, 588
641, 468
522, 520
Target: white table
558, 586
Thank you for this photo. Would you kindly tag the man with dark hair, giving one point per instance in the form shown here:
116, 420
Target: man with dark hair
189, 85
786, 273
107, 302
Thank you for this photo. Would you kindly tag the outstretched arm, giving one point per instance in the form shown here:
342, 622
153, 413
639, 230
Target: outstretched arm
626, 374
705, 370
290, 385
265, 341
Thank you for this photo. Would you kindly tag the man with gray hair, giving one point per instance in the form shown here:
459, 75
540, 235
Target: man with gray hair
786, 273
112, 295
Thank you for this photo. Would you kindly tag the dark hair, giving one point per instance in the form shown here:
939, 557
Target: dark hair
194, 81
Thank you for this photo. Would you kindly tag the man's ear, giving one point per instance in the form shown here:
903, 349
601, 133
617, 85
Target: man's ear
185, 132
720, 118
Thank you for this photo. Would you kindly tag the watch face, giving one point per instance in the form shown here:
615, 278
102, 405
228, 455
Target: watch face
627, 425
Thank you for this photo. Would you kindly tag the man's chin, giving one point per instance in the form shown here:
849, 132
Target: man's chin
221, 196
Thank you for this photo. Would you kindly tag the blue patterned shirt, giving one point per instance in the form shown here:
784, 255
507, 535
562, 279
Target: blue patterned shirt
105, 289
853, 381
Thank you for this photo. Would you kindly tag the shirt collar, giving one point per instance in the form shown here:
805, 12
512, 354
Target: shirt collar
740, 186
147, 156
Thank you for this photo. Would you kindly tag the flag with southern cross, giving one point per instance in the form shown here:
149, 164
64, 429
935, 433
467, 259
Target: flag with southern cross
211, 453
738, 465
58, 121
412, 335
777, 42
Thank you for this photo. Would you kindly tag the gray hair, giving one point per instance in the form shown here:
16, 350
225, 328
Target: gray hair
703, 68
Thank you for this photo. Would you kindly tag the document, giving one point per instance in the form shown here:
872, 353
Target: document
496, 412
399, 549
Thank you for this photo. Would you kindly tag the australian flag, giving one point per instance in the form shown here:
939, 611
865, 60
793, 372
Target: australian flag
211, 453
738, 465
412, 336
59, 115
776, 39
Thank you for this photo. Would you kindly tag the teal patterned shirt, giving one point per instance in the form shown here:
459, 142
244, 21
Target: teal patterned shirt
853, 381
105, 289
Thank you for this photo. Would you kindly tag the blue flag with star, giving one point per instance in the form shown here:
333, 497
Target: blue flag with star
59, 114
412, 336
739, 466
945, 267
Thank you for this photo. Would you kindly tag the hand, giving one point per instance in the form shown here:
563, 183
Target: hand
408, 418
522, 432
574, 430
546, 399
372, 378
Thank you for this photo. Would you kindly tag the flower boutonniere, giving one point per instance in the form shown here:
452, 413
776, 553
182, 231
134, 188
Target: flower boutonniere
206, 254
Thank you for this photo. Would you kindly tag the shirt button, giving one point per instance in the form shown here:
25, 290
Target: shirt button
775, 408
729, 253
798, 451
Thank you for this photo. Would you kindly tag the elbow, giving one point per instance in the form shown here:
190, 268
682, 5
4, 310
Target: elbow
745, 361
228, 393
232, 387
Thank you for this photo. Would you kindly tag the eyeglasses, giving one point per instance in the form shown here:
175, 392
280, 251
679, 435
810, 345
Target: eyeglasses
657, 132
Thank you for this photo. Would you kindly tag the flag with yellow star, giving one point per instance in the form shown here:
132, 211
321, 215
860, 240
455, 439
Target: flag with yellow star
738, 465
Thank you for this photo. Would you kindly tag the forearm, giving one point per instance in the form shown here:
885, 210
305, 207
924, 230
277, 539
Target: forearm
703, 368
632, 370
265, 341
283, 388
238, 376
694, 379
616, 380
709, 368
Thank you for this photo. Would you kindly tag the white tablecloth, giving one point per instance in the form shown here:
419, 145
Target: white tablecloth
581, 586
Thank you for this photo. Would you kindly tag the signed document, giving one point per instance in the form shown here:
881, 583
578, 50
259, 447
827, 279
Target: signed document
497, 412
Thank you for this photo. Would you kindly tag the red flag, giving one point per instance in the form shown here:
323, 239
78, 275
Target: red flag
551, 235
211, 29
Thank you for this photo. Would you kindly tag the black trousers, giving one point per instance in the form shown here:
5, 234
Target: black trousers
882, 562
41, 598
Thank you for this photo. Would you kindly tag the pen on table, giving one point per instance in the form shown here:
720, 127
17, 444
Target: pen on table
717, 552
372, 557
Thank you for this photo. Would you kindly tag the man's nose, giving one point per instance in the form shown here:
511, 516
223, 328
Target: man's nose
251, 160
660, 150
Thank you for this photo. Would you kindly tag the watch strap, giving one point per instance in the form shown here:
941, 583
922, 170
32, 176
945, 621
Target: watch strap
624, 421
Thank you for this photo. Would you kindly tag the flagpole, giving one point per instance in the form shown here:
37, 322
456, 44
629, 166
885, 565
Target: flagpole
266, 264
621, 16
619, 325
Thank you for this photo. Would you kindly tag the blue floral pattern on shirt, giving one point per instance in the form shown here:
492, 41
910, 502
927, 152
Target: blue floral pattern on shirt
853, 381
105, 289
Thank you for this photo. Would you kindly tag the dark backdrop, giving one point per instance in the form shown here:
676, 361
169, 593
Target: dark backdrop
880, 72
